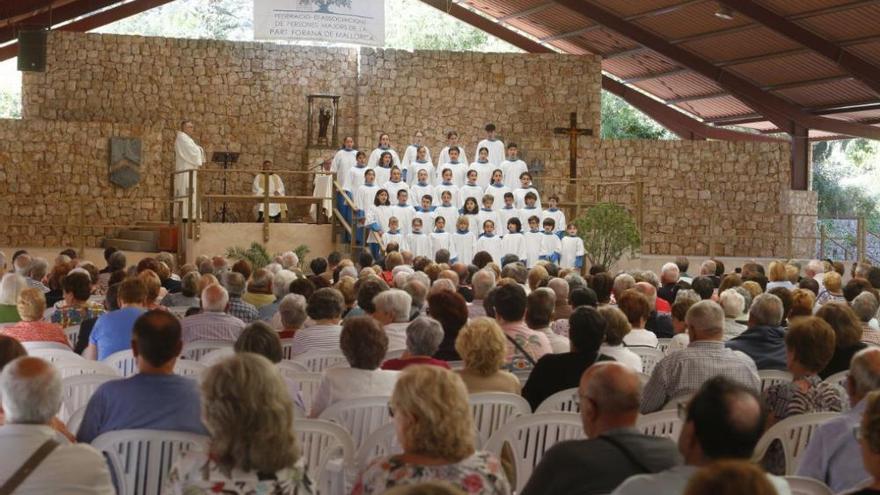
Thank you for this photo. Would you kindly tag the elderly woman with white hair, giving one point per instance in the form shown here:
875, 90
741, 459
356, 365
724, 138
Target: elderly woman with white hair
292, 313
10, 287
423, 337
325, 309
253, 449
392, 310
280, 287
865, 306
733, 304
436, 431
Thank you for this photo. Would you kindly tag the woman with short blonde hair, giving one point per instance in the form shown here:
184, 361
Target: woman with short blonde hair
253, 449
833, 289
778, 276
31, 305
154, 288
483, 348
802, 303
617, 328
436, 431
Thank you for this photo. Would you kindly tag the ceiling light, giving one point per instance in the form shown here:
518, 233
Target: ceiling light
724, 12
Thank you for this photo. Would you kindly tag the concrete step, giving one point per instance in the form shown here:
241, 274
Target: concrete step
132, 245
138, 235
152, 226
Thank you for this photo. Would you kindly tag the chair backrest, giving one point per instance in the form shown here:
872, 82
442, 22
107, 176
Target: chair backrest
673, 403
123, 361
211, 358
562, 401
39, 345
838, 379
305, 384
773, 377
72, 334
189, 368
75, 420
287, 348
55, 356
665, 424
359, 417
394, 354
178, 311
492, 410
650, 357
319, 361
195, 350
320, 441
644, 378
77, 390
76, 367
141, 459
380, 443
530, 436
663, 344
801, 485
794, 433
455, 365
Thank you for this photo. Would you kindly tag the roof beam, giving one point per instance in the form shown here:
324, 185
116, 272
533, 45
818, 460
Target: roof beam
859, 67
777, 110
55, 16
655, 75
823, 110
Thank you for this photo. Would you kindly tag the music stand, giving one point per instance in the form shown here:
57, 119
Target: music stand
224, 157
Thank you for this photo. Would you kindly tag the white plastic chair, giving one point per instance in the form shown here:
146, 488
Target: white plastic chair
213, 357
287, 348
773, 377
123, 361
394, 354
530, 436
188, 368
286, 367
644, 378
838, 379
663, 344
562, 401
77, 390
359, 417
178, 311
55, 356
76, 367
319, 361
801, 485
38, 346
681, 399
492, 410
75, 420
650, 358
304, 384
322, 442
195, 350
141, 459
72, 334
794, 433
380, 443
665, 424
455, 365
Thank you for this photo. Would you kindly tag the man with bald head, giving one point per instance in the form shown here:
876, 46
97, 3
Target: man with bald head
213, 323
659, 322
724, 421
833, 455
615, 450
30, 391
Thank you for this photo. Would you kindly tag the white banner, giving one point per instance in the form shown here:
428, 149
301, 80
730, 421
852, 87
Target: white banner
359, 22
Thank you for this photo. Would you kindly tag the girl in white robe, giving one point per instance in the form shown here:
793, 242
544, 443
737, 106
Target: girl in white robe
446, 209
376, 221
470, 189
440, 239
416, 166
497, 189
366, 194
571, 254
419, 243
489, 242
463, 239
487, 212
384, 145
383, 169
471, 212
483, 169
410, 154
451, 140
513, 241
446, 186
403, 211
356, 174
395, 183
421, 188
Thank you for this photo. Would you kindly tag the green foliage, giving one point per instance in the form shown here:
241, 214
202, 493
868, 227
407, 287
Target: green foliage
256, 254
413, 25
844, 173
10, 104
620, 120
324, 5
609, 232
301, 252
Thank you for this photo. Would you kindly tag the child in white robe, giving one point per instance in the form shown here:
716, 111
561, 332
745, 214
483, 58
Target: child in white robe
419, 243
425, 212
483, 168
555, 213
550, 244
396, 183
366, 193
446, 209
526, 187
421, 187
376, 221
514, 241
471, 212
420, 163
446, 186
451, 141
383, 168
495, 146
508, 211
487, 212
458, 169
572, 253
512, 167
534, 238
394, 235
463, 239
410, 154
470, 189
403, 210
440, 239
489, 242
356, 174
384, 145
497, 189
529, 209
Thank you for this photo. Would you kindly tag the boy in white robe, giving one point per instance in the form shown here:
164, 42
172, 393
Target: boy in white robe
416, 166
495, 146
395, 183
534, 238
529, 209
463, 239
487, 212
425, 211
411, 153
446, 186
497, 189
188, 156
418, 242
394, 235
384, 145
470, 189
507, 211
356, 174
525, 180
513, 167
483, 168
550, 244
489, 242
556, 214
458, 168
451, 141
403, 210
421, 187
571, 254
440, 239
514, 241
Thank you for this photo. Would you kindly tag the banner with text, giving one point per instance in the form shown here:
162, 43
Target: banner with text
359, 22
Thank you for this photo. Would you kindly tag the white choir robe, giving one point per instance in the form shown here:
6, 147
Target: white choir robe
490, 244
417, 190
459, 170
427, 218
409, 157
484, 173
496, 151
514, 243
395, 236
412, 176
464, 245
550, 246
438, 193
449, 213
356, 179
419, 245
534, 238
276, 188
444, 155
343, 161
377, 216
572, 247
519, 196
473, 224
187, 156
470, 191
512, 171
404, 215
383, 174
442, 240
365, 197
525, 213
373, 162
505, 214
558, 216
484, 215
392, 188
497, 191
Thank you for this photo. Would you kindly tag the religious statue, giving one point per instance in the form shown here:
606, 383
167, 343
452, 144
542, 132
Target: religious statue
322, 122
324, 117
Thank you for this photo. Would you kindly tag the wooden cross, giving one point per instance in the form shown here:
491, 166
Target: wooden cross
573, 132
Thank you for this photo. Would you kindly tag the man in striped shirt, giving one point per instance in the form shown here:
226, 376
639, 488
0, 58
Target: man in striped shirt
213, 323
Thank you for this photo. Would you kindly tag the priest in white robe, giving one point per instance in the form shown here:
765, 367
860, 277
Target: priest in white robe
276, 188
188, 156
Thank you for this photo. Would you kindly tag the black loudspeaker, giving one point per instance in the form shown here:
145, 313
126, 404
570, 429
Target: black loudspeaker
32, 50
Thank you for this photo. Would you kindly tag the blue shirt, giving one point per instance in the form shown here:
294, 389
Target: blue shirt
833, 455
112, 331
143, 402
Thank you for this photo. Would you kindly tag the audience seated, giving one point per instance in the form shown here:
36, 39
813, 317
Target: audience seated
560, 289
833, 452
437, 434
423, 337
832, 289
525, 346
681, 374
213, 323
615, 450
364, 345
259, 289
30, 391
724, 420
325, 309
483, 281
32, 328
733, 304
291, 315
112, 331
866, 306
280, 287
555, 372
154, 398
259, 338
76, 307
188, 295
730, 478
367, 288
847, 332
764, 340
540, 305
658, 322
234, 283
637, 310
392, 312
483, 347
451, 310
253, 448
617, 327
11, 286
869, 437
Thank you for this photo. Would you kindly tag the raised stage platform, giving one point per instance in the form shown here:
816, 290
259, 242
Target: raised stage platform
215, 238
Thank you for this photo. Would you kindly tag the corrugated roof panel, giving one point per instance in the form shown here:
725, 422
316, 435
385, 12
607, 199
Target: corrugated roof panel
628, 8
848, 24
798, 67
789, 7
643, 63
858, 116
605, 41
829, 94
869, 51
679, 85
748, 43
553, 21
694, 19
501, 8
723, 106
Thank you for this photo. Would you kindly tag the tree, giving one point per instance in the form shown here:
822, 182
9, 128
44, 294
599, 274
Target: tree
620, 120
609, 232
324, 5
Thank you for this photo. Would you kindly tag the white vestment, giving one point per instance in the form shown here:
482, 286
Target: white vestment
188, 156
496, 151
514, 243
343, 161
442, 240
464, 246
572, 246
373, 161
491, 245
444, 155
512, 171
409, 156
276, 188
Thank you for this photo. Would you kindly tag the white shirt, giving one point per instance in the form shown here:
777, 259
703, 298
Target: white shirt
464, 245
404, 215
559, 343
365, 197
484, 173
679, 341
276, 188
497, 192
419, 244
70, 469
622, 355
396, 333
572, 247
442, 240
639, 337
491, 245
673, 481
519, 196
188, 156
412, 175
416, 191
409, 156
514, 243
316, 338
341, 384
